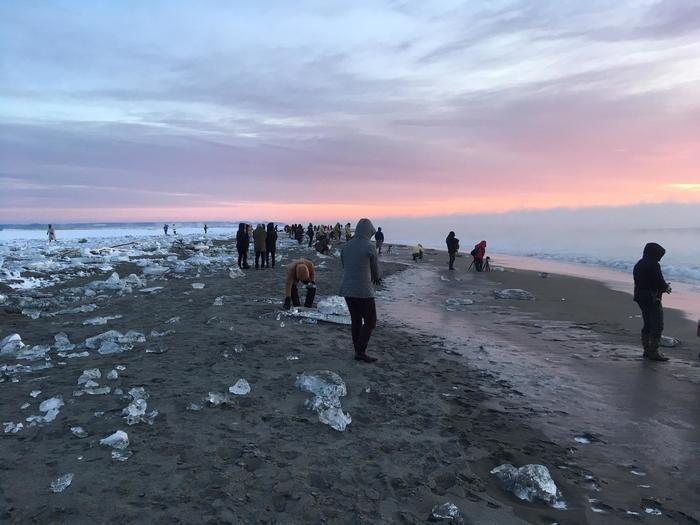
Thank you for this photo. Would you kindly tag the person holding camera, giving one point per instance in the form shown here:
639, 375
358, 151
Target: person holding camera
649, 286
360, 275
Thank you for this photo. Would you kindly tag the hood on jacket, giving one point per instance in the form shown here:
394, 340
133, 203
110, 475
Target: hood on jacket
450, 235
241, 226
654, 251
270, 227
364, 229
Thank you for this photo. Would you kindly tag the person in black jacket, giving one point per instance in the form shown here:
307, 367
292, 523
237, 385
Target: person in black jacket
242, 243
379, 239
270, 244
452, 248
310, 234
649, 286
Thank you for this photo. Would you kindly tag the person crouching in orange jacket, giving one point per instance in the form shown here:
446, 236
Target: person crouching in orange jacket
303, 271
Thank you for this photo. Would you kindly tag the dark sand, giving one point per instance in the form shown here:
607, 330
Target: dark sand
455, 394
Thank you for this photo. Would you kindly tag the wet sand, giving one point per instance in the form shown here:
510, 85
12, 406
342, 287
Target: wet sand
455, 394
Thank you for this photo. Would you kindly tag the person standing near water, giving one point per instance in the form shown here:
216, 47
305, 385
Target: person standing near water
206, 229
174, 230
270, 244
649, 286
51, 232
360, 274
165, 229
242, 243
452, 248
259, 236
379, 239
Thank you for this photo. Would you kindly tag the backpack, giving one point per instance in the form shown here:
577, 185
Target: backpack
473, 252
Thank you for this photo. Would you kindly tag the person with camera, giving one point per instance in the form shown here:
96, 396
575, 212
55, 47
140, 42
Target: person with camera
452, 248
360, 275
649, 286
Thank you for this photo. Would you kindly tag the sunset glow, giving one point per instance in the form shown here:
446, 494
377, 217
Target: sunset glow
294, 111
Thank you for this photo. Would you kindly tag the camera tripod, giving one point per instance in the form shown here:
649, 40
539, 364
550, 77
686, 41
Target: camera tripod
485, 268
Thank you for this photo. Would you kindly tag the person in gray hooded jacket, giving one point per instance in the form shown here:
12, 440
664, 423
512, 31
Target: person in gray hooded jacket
360, 275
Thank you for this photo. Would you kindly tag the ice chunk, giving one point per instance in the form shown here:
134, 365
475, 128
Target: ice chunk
152, 289
35, 393
138, 392
132, 337
79, 432
173, 320
111, 347
121, 455
12, 428
529, 483
216, 399
98, 391
62, 483
63, 344
446, 511
119, 440
458, 302
112, 375
91, 384
219, 301
155, 270
198, 286
53, 403
96, 321
194, 407
32, 353
333, 305
88, 375
238, 349
95, 342
241, 388
668, 342
235, 273
135, 411
293, 357
322, 383
515, 294
327, 388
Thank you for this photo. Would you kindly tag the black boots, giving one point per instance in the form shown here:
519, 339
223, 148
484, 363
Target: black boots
362, 356
651, 350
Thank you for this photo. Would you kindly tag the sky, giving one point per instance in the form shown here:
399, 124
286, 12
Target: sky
322, 110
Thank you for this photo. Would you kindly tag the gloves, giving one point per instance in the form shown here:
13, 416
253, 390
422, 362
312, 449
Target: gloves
287, 303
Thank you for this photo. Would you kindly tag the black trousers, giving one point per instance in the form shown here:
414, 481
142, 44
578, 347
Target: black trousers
242, 258
363, 313
267, 258
478, 264
453, 255
653, 317
260, 259
310, 296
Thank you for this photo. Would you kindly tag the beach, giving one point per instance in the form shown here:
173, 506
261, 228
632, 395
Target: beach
460, 388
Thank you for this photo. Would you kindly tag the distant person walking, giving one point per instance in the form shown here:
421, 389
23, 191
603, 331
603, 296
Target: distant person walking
174, 230
259, 236
649, 286
348, 232
270, 244
242, 243
452, 248
360, 275
206, 229
379, 239
299, 234
51, 232
300, 271
478, 253
165, 229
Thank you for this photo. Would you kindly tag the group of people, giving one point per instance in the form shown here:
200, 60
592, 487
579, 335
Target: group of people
360, 275
264, 244
478, 253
